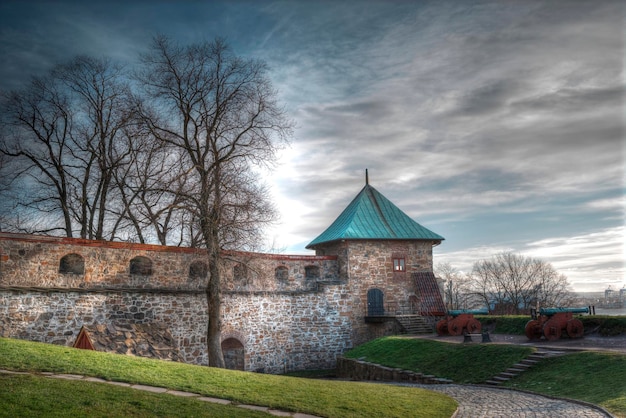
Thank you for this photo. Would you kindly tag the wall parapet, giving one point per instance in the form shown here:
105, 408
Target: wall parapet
36, 261
101, 290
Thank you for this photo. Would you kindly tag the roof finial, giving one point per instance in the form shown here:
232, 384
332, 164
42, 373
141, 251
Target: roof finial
367, 179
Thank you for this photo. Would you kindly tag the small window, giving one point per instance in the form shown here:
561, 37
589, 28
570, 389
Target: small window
72, 264
141, 266
398, 265
312, 272
198, 270
240, 272
281, 273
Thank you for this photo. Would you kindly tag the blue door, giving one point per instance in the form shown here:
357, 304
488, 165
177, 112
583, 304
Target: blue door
375, 305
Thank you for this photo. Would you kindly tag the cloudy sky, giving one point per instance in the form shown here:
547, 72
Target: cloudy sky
497, 124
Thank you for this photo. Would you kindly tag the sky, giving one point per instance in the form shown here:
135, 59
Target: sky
499, 125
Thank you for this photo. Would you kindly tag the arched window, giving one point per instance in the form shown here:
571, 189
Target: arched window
375, 303
141, 266
234, 354
311, 272
72, 264
281, 273
198, 270
240, 272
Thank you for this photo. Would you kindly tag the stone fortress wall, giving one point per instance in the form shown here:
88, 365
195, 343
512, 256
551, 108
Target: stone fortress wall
275, 319
279, 312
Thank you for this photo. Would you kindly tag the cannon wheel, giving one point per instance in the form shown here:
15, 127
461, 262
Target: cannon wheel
575, 328
442, 327
533, 329
455, 326
473, 326
552, 330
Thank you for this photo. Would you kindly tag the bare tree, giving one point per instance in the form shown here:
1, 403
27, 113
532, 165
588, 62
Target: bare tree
36, 125
221, 112
456, 288
513, 283
101, 112
62, 134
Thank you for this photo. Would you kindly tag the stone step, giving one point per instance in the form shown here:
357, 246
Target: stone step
521, 367
493, 382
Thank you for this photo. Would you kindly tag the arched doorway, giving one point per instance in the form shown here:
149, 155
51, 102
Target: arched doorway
234, 354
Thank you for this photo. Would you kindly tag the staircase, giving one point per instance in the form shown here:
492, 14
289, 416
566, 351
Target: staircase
414, 324
521, 367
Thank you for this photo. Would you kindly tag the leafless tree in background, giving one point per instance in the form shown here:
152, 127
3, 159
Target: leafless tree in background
220, 111
63, 134
456, 288
101, 112
513, 283
36, 125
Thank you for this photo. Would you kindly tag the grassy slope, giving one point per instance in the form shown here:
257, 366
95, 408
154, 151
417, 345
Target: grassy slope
599, 378
30, 396
472, 363
324, 398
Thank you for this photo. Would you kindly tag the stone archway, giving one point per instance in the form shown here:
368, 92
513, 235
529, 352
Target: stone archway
234, 354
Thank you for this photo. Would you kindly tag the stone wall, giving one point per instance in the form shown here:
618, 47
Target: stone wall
34, 261
279, 312
288, 312
56, 317
290, 331
354, 369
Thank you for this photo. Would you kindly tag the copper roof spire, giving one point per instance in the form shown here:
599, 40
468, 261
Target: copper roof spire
367, 179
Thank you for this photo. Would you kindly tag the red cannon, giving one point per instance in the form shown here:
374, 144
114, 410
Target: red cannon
459, 321
553, 321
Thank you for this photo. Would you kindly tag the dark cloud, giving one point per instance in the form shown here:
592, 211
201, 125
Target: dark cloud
486, 99
484, 120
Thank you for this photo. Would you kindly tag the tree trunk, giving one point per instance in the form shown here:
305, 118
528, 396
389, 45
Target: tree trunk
214, 335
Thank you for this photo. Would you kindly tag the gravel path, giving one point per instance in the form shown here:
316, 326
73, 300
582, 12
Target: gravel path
478, 401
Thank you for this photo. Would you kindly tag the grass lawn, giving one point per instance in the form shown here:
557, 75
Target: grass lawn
595, 377
37, 396
317, 397
471, 363
599, 378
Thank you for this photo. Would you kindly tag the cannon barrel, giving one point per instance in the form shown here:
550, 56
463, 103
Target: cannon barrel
553, 311
457, 312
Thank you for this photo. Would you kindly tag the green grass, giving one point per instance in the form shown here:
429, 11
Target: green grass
37, 396
471, 363
317, 397
599, 378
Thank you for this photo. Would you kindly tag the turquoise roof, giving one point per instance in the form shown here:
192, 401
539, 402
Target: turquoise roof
371, 215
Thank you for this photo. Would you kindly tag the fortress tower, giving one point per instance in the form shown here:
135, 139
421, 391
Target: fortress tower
387, 260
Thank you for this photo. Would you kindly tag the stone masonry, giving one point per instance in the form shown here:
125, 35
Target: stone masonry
279, 312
